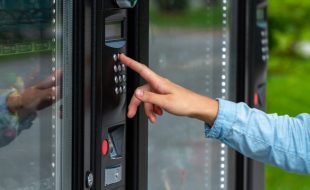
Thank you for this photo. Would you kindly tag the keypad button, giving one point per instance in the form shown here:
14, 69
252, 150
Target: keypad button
264, 41
120, 90
124, 78
264, 57
120, 79
119, 68
124, 89
116, 79
115, 68
116, 90
115, 57
123, 67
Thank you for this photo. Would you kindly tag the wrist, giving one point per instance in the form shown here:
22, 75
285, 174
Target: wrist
13, 102
206, 110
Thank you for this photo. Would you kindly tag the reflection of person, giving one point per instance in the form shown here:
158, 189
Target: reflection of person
279, 140
18, 107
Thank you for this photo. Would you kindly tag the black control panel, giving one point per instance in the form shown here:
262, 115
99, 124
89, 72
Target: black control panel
260, 55
255, 68
110, 89
114, 100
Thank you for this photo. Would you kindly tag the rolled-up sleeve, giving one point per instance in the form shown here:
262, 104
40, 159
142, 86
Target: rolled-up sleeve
10, 124
282, 141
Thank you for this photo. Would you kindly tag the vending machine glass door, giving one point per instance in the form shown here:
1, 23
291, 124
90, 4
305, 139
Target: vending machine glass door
190, 44
35, 94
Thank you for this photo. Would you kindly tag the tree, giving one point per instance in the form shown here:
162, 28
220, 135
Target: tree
172, 5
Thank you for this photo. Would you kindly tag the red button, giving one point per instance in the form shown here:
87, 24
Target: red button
256, 99
104, 147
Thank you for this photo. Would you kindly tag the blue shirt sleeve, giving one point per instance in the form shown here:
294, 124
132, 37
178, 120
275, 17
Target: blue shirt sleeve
282, 141
10, 124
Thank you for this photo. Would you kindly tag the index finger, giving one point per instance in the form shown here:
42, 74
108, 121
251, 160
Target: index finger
50, 80
141, 69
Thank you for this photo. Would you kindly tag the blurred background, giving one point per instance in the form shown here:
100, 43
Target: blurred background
289, 61
288, 75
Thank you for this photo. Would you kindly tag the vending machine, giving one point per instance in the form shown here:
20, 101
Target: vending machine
111, 143
64, 93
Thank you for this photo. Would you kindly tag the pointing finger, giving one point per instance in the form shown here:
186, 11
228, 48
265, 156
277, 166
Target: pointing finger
141, 69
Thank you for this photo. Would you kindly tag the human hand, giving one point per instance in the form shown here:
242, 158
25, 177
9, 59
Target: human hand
36, 97
160, 94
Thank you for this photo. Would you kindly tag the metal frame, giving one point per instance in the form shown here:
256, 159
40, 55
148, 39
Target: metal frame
249, 173
79, 130
137, 133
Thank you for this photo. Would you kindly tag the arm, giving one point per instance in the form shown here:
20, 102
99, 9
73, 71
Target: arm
36, 97
18, 108
279, 140
282, 141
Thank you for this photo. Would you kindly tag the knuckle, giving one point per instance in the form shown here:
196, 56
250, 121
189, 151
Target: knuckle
146, 96
165, 80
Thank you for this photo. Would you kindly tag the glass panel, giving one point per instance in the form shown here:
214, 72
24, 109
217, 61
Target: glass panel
190, 45
35, 91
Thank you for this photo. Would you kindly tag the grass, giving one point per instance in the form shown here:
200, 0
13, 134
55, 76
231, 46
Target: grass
287, 93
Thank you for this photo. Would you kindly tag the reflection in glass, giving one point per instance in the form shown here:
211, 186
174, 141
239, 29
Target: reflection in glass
190, 45
31, 100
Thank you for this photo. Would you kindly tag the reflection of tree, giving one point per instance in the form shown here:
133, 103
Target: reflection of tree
25, 19
211, 2
172, 5
19, 12
6, 17
31, 16
35, 16
180, 5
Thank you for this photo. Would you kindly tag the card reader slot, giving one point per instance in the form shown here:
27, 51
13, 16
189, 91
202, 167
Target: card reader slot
116, 141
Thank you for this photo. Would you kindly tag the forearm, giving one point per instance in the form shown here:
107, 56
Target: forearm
279, 140
205, 109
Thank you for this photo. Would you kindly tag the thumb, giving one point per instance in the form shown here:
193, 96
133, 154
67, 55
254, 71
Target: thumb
150, 97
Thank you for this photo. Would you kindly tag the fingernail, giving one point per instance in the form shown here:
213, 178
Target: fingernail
139, 93
151, 119
129, 115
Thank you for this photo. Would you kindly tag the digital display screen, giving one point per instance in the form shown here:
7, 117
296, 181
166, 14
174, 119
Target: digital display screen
113, 30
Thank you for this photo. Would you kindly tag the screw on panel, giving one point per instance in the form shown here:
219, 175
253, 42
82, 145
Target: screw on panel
89, 180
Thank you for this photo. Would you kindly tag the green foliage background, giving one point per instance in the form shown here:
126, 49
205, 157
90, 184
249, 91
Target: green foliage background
288, 76
289, 23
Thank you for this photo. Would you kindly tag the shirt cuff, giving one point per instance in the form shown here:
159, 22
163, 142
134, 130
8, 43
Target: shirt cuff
9, 120
225, 118
3, 98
